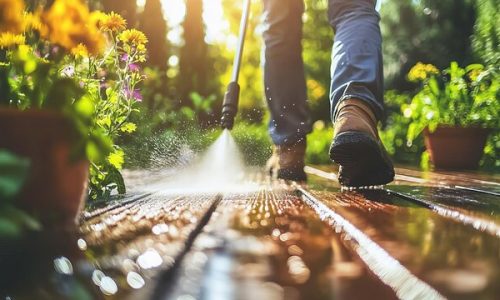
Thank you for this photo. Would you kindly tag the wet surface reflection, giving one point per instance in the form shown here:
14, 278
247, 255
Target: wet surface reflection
271, 245
115, 254
268, 243
461, 262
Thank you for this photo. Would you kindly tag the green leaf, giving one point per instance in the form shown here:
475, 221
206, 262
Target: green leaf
14, 171
472, 67
85, 107
128, 127
9, 228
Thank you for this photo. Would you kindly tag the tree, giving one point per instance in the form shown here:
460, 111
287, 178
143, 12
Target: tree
153, 24
193, 64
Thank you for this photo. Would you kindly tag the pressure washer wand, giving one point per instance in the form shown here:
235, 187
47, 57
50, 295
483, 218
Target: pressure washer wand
232, 95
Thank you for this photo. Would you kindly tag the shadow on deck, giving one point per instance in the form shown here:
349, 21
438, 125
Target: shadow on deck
426, 236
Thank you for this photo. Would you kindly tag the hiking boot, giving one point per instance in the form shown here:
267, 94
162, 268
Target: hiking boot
357, 148
287, 162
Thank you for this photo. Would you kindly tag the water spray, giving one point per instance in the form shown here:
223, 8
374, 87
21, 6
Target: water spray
232, 95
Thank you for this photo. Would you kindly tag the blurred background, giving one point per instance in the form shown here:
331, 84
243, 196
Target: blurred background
191, 47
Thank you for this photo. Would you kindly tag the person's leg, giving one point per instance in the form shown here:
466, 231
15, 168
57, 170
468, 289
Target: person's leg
356, 94
285, 85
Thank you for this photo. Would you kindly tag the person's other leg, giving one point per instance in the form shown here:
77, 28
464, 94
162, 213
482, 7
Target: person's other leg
356, 94
285, 85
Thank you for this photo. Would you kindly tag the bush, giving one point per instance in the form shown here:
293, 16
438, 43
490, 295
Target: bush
393, 134
318, 144
486, 38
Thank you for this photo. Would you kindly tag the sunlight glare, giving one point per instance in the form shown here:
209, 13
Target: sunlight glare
217, 26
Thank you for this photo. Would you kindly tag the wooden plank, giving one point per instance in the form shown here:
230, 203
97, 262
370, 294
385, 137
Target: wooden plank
137, 242
487, 205
481, 183
119, 252
270, 245
458, 261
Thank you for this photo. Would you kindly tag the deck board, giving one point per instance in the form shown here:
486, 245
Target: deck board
424, 242
271, 245
427, 235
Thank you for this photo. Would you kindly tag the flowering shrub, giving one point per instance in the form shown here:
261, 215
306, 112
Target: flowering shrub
81, 63
456, 97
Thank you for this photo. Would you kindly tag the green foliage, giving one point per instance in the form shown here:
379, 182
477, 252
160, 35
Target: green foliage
111, 83
491, 157
394, 133
254, 142
456, 97
13, 175
14, 172
96, 90
318, 144
486, 38
418, 30
317, 45
40, 84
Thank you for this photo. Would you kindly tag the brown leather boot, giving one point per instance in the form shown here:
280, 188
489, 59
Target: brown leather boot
287, 161
356, 147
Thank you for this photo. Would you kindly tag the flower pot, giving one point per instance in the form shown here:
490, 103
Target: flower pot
56, 186
456, 147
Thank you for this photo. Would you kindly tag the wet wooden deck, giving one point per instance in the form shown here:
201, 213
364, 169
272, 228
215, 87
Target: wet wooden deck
426, 236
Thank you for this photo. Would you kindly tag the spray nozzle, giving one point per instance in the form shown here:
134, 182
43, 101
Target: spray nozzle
230, 105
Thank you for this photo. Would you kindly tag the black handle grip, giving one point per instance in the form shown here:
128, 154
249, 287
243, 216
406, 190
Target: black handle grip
230, 105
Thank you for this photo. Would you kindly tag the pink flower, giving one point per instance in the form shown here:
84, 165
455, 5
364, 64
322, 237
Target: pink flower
134, 94
134, 67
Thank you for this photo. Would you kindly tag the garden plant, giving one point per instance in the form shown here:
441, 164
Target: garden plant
82, 64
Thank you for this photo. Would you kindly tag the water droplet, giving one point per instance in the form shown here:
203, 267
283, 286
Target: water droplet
135, 280
82, 244
63, 265
160, 228
149, 259
108, 286
97, 276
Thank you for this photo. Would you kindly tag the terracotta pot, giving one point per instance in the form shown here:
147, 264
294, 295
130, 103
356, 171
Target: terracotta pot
456, 147
56, 187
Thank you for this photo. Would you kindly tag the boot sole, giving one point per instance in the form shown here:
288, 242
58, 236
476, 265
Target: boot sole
297, 174
363, 160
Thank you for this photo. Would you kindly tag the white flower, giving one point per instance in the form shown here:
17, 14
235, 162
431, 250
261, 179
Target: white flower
407, 112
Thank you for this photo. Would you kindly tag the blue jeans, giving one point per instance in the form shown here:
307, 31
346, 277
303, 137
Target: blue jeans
356, 70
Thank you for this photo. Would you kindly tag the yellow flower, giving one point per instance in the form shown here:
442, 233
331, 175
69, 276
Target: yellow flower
97, 17
8, 40
32, 22
421, 71
112, 22
11, 16
80, 51
474, 74
116, 159
316, 89
133, 37
68, 24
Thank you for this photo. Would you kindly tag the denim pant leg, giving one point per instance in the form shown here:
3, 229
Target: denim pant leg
356, 70
284, 79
